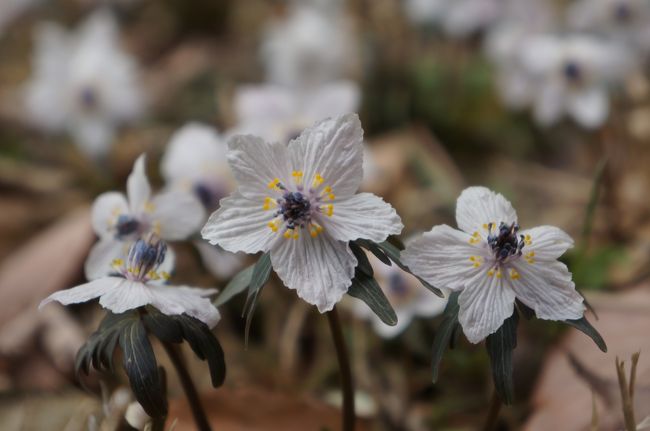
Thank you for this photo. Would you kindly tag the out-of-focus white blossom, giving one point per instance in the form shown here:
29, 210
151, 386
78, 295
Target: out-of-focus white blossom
309, 46
11, 10
457, 18
83, 83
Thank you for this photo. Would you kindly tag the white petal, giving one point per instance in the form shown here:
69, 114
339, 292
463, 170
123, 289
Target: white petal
589, 107
547, 242
127, 295
177, 214
221, 263
477, 206
105, 211
442, 257
332, 99
83, 293
319, 269
100, 259
137, 186
332, 148
484, 305
93, 135
256, 163
550, 103
172, 300
546, 287
363, 215
240, 224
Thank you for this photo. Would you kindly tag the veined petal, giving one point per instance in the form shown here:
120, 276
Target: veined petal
84, 292
546, 242
478, 206
177, 215
445, 257
137, 186
546, 287
363, 215
126, 295
99, 262
106, 209
319, 269
256, 163
485, 303
240, 224
333, 149
173, 300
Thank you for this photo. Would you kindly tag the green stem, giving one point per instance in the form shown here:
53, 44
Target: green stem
493, 413
344, 368
191, 393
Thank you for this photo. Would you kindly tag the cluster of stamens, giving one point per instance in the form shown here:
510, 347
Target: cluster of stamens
296, 209
144, 258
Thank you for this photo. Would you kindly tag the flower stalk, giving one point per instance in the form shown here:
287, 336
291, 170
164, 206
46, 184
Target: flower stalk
347, 385
192, 395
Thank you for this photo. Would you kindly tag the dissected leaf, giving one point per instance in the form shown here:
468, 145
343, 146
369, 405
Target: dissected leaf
500, 346
445, 334
365, 288
205, 345
237, 285
163, 327
585, 327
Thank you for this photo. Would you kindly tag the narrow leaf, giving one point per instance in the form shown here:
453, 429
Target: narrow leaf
163, 327
366, 289
500, 346
445, 334
205, 345
585, 327
261, 274
374, 249
237, 285
363, 263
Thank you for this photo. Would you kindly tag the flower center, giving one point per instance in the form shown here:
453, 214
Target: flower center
572, 71
622, 12
88, 98
298, 207
126, 225
504, 242
144, 258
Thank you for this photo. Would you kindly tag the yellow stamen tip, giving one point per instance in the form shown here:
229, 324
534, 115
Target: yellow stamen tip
287, 234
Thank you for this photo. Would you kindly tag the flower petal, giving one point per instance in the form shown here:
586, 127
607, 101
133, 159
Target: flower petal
99, 262
478, 206
332, 99
589, 107
137, 186
332, 148
177, 215
550, 103
442, 257
84, 292
240, 224
363, 215
173, 300
93, 135
221, 263
484, 305
320, 269
547, 288
547, 242
106, 208
256, 163
126, 295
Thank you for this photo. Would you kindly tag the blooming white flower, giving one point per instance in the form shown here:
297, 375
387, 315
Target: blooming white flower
83, 83
492, 263
195, 162
458, 18
138, 281
626, 21
574, 75
298, 202
405, 293
119, 220
311, 45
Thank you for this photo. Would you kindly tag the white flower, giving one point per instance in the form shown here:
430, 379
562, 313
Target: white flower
405, 293
119, 220
298, 202
458, 18
627, 21
195, 162
492, 263
574, 73
83, 83
139, 282
310, 46
280, 113
422, 12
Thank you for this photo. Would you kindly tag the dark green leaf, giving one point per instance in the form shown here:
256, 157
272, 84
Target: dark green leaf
525, 310
141, 368
445, 334
237, 285
163, 327
374, 249
500, 346
584, 326
366, 289
261, 274
362, 260
205, 345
